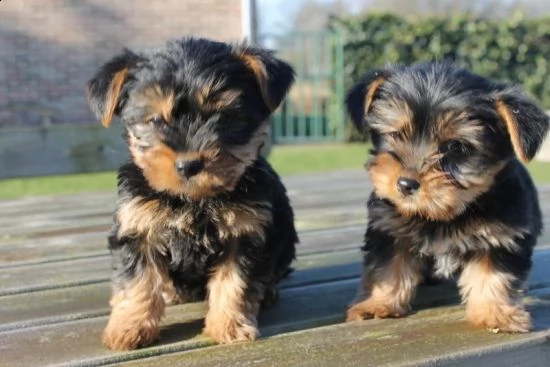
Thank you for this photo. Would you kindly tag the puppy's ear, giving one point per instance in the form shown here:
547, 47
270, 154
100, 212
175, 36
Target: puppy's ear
361, 96
104, 89
526, 122
274, 76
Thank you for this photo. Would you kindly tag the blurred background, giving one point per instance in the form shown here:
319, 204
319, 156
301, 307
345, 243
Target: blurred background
49, 48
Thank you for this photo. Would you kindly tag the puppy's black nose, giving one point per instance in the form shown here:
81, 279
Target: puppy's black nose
407, 186
189, 168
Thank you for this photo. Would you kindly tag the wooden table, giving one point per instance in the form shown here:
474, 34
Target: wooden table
54, 291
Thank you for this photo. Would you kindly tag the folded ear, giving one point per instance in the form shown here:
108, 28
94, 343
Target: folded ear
104, 89
526, 122
361, 96
274, 76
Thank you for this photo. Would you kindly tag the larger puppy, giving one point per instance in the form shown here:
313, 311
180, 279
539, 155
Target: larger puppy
200, 212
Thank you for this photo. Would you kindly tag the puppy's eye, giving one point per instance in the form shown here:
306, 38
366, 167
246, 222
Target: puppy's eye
156, 120
394, 134
455, 147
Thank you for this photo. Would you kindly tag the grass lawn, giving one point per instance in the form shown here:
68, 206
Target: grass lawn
287, 160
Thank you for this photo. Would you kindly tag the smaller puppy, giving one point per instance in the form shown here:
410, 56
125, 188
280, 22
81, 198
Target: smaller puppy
200, 212
449, 190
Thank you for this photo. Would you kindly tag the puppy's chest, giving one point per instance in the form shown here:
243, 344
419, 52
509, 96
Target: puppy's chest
446, 239
208, 225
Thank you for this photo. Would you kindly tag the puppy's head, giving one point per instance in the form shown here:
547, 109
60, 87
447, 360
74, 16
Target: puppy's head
195, 110
441, 134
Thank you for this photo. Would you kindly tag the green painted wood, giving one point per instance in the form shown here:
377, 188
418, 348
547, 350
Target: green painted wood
313, 110
60, 149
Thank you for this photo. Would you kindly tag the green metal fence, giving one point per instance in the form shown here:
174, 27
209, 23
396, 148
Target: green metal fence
313, 111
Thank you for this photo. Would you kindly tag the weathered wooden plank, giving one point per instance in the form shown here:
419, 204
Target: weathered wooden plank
50, 226
71, 272
52, 275
297, 186
89, 297
20, 252
61, 211
23, 252
298, 308
60, 149
85, 241
428, 338
60, 214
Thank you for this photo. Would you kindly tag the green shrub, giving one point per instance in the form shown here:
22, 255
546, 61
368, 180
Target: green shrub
515, 50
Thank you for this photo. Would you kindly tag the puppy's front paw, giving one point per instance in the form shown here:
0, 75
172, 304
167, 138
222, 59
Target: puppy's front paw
230, 330
511, 319
127, 336
370, 308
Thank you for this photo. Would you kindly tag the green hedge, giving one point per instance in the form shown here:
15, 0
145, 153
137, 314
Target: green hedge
515, 50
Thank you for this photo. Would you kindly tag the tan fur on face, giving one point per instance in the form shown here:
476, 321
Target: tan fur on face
398, 117
158, 102
388, 290
511, 125
260, 72
371, 92
437, 198
158, 164
455, 125
222, 168
113, 93
136, 311
210, 98
231, 317
490, 299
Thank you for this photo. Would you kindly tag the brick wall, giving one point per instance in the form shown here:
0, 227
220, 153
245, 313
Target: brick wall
49, 48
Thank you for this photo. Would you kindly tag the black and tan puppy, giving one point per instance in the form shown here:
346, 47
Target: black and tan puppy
448, 189
200, 212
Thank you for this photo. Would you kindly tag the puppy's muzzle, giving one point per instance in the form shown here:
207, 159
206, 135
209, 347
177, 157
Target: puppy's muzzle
189, 168
407, 186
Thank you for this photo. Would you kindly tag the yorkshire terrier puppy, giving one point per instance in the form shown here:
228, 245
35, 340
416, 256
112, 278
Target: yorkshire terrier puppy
450, 193
201, 214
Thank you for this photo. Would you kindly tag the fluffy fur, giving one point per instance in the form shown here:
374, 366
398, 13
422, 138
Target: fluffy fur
449, 190
200, 212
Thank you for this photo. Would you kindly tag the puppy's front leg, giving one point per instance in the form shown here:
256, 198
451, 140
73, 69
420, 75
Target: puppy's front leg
233, 300
490, 288
137, 304
389, 279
